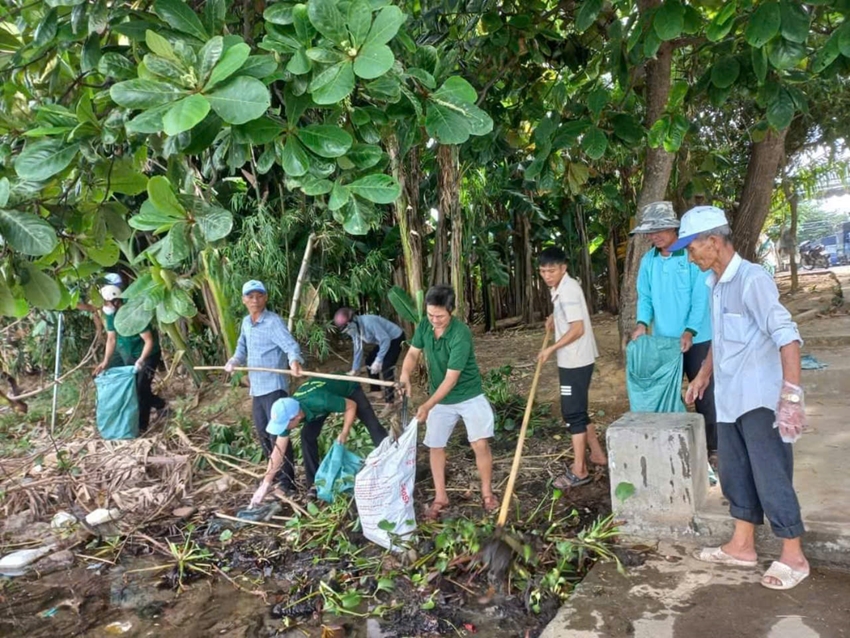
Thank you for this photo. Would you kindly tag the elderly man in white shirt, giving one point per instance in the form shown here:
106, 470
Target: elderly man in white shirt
755, 360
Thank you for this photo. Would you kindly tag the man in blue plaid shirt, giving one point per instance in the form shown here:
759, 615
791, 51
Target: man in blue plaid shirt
265, 342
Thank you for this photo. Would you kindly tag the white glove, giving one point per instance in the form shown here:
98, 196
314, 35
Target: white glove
139, 365
376, 367
229, 366
260, 494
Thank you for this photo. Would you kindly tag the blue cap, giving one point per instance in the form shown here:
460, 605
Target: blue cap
113, 279
253, 286
283, 411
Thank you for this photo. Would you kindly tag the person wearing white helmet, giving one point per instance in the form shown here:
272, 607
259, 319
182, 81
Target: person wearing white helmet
139, 350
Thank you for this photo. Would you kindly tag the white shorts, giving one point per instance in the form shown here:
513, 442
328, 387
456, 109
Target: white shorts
477, 416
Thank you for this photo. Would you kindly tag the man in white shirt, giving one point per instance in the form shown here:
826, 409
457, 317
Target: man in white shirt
755, 361
576, 351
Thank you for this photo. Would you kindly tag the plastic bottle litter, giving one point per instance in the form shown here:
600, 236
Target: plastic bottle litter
15, 564
62, 519
102, 515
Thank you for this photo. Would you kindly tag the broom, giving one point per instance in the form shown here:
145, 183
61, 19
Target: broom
498, 552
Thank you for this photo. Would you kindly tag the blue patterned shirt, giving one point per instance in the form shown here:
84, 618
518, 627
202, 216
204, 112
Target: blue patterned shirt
371, 329
266, 343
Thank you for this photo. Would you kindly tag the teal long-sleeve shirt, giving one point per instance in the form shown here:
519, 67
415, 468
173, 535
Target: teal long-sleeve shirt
672, 296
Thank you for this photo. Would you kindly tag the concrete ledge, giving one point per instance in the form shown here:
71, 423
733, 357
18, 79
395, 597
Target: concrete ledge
663, 458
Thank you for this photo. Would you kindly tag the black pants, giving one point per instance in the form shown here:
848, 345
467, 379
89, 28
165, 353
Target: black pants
147, 399
388, 370
575, 386
261, 409
693, 360
311, 430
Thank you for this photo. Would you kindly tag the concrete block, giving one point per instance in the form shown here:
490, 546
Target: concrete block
663, 457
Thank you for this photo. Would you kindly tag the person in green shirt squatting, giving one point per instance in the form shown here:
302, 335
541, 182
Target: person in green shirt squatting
140, 350
456, 393
312, 403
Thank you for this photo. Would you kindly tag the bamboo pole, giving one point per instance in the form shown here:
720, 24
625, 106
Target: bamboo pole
299, 283
304, 373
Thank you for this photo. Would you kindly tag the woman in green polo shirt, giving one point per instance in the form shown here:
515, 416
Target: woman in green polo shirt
140, 351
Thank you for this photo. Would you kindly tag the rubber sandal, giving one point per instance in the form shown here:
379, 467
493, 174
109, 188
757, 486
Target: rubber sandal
490, 503
717, 556
568, 480
434, 511
787, 576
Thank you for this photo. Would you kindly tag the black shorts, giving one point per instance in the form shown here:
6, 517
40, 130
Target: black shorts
575, 385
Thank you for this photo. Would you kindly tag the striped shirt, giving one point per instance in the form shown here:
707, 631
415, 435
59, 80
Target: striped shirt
374, 330
266, 343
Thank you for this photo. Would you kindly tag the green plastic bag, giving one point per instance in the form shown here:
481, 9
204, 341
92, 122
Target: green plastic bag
336, 473
654, 374
117, 404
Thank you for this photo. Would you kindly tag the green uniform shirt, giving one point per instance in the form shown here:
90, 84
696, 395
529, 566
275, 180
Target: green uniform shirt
452, 351
130, 348
321, 397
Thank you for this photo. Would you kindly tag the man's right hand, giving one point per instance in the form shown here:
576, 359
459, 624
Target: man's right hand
550, 323
638, 332
229, 366
99, 368
696, 388
406, 388
260, 494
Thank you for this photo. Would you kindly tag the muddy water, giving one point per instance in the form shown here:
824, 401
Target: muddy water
115, 601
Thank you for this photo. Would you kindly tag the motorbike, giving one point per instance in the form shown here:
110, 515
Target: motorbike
813, 256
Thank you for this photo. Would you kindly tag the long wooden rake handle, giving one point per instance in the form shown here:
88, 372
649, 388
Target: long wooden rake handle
506, 499
304, 373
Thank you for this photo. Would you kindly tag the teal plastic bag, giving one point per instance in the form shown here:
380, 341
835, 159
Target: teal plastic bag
336, 473
654, 374
117, 404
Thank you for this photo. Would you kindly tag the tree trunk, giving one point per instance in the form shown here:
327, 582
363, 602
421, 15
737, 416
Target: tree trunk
299, 283
449, 180
586, 267
406, 214
749, 219
613, 273
527, 303
656, 176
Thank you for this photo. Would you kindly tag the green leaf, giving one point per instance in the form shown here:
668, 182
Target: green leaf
764, 24
11, 306
587, 13
159, 45
326, 17
279, 13
215, 222
209, 56
456, 88
725, 71
624, 491
40, 289
295, 160
355, 221
365, 155
259, 66
181, 302
133, 317
5, 190
842, 35
386, 25
784, 55
162, 197
627, 128
359, 21
26, 233
115, 65
63, 3
825, 56
166, 69
121, 176
795, 21
679, 126
669, 20
231, 61
594, 143
180, 17
404, 305
377, 188
759, 63
240, 100
299, 63
780, 110
214, 15
448, 125
325, 140
144, 94
596, 101
148, 121
44, 159
333, 84
46, 29
259, 132
723, 22
105, 254
313, 187
173, 248
339, 197
185, 114
325, 56
373, 60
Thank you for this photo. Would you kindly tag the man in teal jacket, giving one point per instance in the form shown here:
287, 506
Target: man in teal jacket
673, 300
